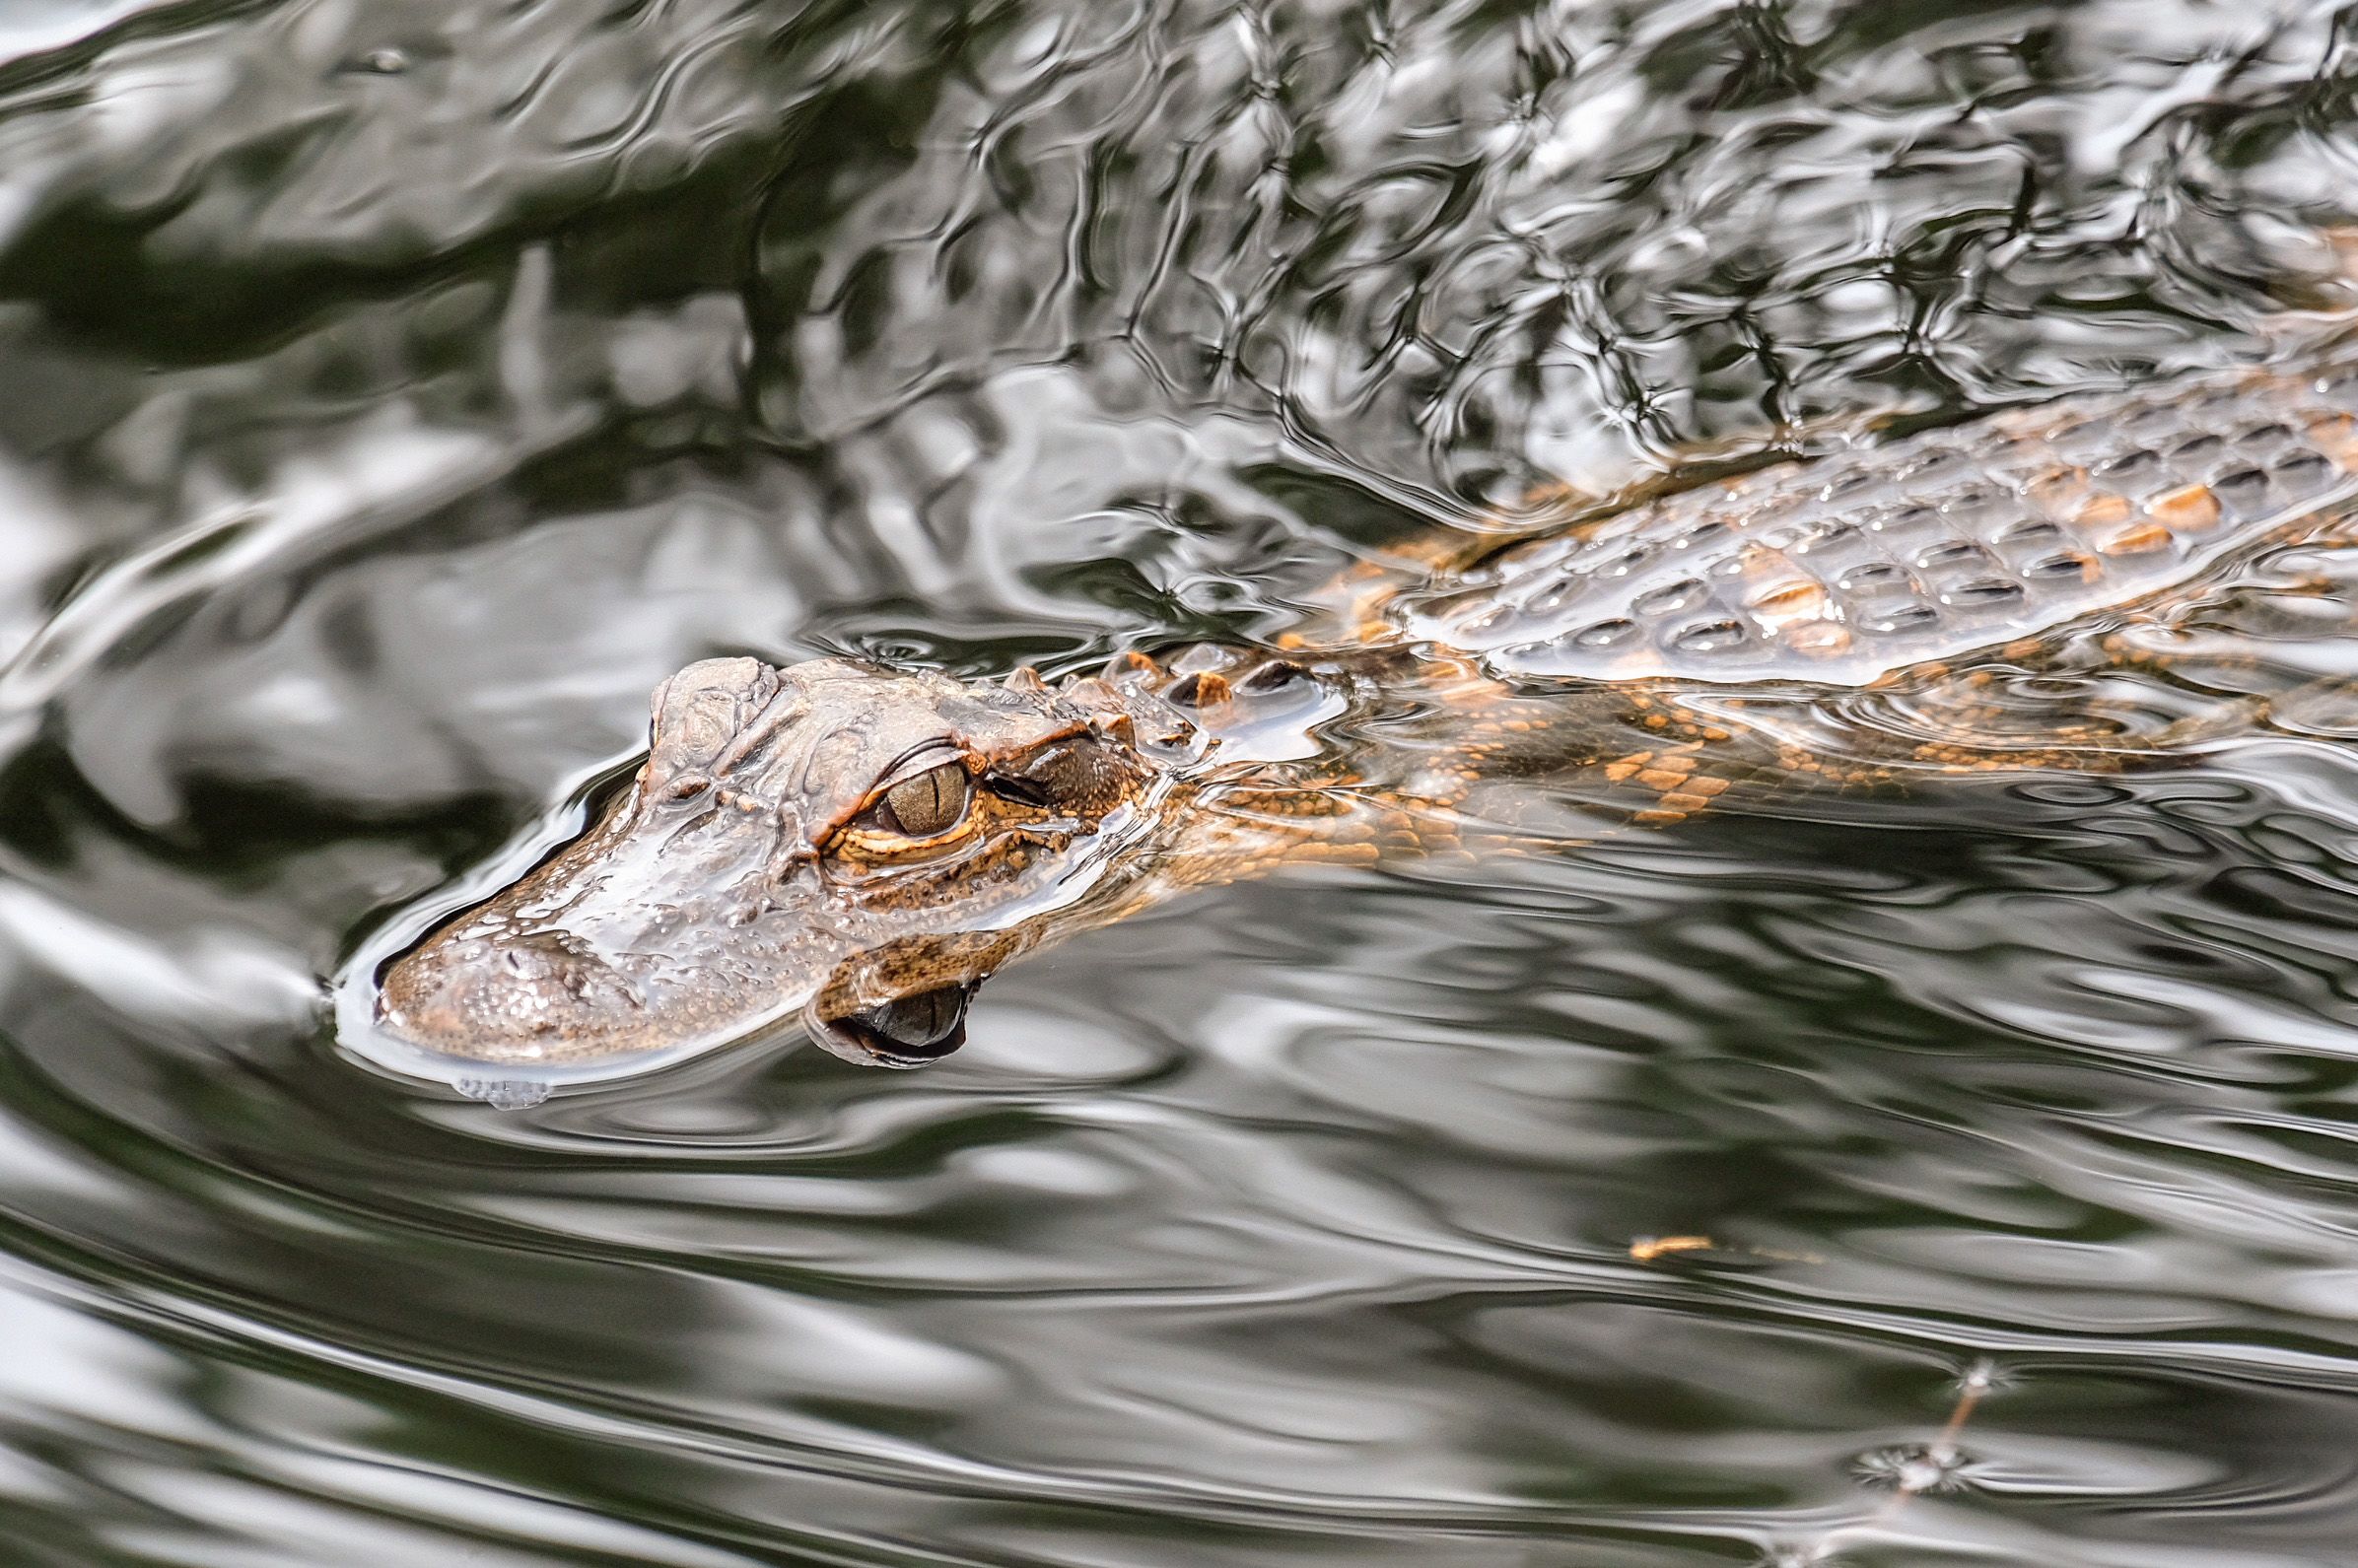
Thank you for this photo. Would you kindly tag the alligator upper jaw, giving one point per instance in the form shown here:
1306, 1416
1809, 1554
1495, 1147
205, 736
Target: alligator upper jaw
514, 1036
553, 1007
500, 1001
906, 1031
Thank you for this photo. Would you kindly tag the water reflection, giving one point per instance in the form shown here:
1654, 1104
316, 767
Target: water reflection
397, 392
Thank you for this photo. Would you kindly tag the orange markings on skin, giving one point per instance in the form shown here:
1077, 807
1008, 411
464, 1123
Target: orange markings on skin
2337, 435
1819, 639
2056, 491
2190, 510
2101, 509
1784, 603
2137, 539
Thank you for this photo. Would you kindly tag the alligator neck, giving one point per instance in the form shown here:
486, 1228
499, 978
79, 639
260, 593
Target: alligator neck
1343, 758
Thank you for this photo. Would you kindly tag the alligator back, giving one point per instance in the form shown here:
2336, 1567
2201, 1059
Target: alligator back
1847, 569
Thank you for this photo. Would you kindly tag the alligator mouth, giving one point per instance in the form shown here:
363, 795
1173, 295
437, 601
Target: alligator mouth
906, 1032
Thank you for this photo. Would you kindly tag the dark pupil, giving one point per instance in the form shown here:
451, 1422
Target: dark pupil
929, 803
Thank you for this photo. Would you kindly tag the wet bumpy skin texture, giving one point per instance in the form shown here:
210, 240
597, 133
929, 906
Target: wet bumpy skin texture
1844, 572
861, 846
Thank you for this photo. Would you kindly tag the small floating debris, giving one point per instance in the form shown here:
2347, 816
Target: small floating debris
1913, 1469
1646, 1248
1938, 1466
1909, 1471
1652, 1249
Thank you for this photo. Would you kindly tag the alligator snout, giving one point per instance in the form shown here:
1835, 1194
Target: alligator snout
510, 999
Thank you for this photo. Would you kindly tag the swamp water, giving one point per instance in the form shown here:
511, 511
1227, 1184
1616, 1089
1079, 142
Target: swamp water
391, 393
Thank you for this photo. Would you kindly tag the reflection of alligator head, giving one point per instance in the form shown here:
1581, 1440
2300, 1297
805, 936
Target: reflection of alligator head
862, 845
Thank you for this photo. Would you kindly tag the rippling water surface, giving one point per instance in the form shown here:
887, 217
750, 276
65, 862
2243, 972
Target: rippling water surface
396, 391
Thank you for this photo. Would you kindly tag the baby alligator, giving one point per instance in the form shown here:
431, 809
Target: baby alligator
861, 845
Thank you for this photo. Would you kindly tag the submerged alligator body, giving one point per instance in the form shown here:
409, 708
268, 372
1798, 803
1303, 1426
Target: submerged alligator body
859, 847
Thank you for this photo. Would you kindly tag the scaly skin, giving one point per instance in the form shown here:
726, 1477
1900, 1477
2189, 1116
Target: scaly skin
1665, 655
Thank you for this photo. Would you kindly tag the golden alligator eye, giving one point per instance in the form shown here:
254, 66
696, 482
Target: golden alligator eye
929, 803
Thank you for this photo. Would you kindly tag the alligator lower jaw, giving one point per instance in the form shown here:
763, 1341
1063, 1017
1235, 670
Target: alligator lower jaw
906, 1032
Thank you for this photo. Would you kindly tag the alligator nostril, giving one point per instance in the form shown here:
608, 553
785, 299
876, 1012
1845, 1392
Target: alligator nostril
549, 969
475, 996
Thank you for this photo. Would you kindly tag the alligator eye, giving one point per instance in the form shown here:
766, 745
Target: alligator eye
929, 803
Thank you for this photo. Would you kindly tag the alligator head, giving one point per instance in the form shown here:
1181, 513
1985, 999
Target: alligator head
856, 844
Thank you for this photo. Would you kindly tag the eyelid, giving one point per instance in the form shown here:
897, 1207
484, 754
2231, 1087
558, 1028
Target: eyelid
918, 760
916, 764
